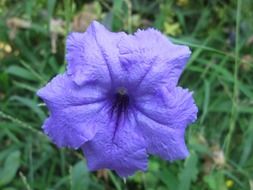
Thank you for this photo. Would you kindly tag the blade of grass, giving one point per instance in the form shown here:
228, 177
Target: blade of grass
24, 180
206, 100
234, 111
68, 13
207, 48
30, 104
114, 181
129, 15
20, 123
32, 71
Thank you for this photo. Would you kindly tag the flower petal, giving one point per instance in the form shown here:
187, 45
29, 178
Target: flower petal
162, 140
90, 55
123, 150
74, 111
150, 59
175, 108
162, 119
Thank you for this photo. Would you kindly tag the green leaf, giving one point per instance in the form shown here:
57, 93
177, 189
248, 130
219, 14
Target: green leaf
4, 83
169, 179
80, 177
50, 8
215, 181
31, 104
189, 172
11, 165
9, 188
20, 72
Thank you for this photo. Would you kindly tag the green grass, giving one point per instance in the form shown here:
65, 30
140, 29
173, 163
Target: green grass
220, 72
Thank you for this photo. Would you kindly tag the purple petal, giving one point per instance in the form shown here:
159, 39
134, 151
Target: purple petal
92, 56
123, 150
174, 108
150, 59
162, 119
162, 140
74, 112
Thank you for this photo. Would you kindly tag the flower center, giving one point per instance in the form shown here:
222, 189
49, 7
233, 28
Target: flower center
122, 91
120, 104
121, 101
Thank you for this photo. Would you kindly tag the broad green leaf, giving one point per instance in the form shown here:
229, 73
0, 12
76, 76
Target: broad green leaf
169, 179
80, 177
11, 165
21, 72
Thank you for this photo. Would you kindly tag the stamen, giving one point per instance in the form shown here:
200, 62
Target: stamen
122, 90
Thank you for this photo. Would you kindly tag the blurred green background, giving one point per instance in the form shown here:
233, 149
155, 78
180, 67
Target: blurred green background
220, 72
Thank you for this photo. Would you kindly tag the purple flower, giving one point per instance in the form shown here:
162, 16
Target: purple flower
118, 100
